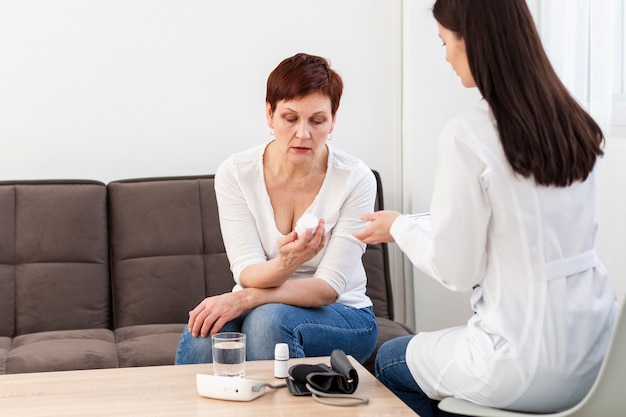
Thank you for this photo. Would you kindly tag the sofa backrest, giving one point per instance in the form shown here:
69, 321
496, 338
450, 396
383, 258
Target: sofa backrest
376, 264
167, 252
54, 270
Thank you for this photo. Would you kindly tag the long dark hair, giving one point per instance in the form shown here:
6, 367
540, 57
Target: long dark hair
545, 133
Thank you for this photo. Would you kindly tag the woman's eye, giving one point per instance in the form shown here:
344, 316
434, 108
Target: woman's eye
318, 121
291, 119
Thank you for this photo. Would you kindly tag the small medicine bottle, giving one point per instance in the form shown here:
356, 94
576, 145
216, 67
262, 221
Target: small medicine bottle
281, 360
308, 221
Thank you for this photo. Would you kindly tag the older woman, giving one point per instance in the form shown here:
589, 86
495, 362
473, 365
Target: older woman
307, 291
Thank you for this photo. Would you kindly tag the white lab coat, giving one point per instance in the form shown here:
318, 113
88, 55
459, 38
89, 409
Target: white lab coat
544, 304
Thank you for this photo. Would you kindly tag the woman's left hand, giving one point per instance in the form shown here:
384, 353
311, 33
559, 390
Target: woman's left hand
293, 252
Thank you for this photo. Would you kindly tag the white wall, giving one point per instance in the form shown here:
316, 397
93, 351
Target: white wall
132, 88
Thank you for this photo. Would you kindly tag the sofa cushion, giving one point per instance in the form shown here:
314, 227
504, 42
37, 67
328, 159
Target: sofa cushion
167, 252
5, 345
54, 256
7, 260
148, 344
61, 296
62, 350
7, 298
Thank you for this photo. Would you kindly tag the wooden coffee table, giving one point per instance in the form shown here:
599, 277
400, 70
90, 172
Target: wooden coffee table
171, 391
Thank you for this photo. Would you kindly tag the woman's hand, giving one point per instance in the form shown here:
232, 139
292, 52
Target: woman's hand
292, 253
377, 230
213, 312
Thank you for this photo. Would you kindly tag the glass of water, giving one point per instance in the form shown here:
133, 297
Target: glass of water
229, 354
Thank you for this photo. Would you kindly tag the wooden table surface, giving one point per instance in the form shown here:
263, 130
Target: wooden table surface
171, 391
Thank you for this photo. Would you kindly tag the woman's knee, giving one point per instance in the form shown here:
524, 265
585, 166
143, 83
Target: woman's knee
264, 327
265, 320
193, 349
393, 351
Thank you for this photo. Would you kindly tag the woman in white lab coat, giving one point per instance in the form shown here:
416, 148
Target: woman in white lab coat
513, 219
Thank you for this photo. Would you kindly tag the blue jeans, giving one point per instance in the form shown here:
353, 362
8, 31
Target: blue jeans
307, 331
391, 369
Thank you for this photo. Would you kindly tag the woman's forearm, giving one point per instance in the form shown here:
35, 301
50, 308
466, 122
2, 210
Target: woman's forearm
272, 273
292, 253
303, 292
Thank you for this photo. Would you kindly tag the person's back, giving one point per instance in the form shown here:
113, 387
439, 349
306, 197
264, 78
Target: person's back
545, 305
575, 319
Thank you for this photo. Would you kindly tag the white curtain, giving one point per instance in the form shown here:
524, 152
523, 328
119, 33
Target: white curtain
580, 39
579, 36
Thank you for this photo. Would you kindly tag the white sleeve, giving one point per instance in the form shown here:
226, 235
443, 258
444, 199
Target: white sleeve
341, 267
237, 223
450, 245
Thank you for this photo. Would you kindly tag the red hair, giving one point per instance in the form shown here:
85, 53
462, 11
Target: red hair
301, 75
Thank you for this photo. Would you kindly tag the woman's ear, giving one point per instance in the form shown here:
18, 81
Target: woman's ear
332, 125
269, 115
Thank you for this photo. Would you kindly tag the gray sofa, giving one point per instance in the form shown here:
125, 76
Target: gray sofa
96, 275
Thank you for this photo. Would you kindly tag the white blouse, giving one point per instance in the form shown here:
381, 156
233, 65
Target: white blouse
251, 235
544, 304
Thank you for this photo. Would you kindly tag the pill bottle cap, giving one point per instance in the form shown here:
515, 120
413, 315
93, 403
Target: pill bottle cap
281, 351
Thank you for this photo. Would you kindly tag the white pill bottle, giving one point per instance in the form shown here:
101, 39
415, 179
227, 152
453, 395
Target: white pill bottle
308, 221
281, 360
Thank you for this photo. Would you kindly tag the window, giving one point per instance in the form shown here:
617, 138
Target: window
585, 41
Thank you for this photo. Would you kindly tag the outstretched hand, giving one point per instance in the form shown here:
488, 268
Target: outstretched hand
377, 230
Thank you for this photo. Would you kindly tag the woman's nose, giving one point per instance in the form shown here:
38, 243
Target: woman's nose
303, 131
